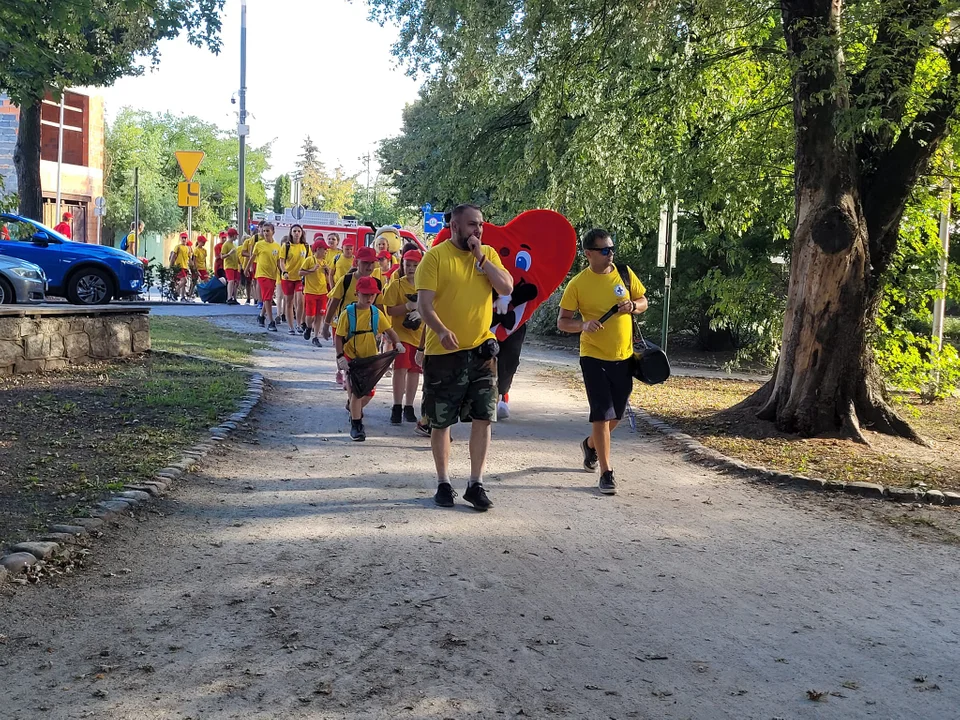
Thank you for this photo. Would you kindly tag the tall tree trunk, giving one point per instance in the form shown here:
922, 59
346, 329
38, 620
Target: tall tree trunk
826, 380
26, 159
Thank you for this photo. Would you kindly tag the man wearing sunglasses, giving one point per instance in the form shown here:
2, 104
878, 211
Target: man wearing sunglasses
605, 347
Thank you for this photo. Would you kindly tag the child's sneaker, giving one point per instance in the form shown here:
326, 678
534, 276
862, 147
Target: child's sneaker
408, 414
396, 415
357, 433
422, 429
261, 321
306, 333
316, 342
272, 327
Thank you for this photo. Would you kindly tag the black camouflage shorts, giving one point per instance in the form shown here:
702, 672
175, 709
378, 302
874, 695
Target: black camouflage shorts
460, 386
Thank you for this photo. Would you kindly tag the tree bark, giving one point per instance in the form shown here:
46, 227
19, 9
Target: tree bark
26, 159
826, 380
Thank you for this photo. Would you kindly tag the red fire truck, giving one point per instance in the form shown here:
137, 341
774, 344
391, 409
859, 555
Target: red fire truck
319, 224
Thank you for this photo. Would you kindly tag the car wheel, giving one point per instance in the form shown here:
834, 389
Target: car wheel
90, 286
6, 292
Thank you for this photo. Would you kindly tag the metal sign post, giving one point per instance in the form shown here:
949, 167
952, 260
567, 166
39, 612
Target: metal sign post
99, 207
667, 259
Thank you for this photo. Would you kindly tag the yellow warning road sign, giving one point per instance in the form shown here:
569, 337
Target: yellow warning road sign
188, 194
189, 161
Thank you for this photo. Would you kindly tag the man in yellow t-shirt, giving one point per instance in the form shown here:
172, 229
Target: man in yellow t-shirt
400, 299
266, 254
230, 256
314, 274
455, 283
605, 347
359, 340
180, 264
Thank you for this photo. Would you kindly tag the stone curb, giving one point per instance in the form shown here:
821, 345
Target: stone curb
56, 542
697, 452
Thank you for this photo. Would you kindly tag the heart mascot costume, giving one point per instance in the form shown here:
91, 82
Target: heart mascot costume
538, 247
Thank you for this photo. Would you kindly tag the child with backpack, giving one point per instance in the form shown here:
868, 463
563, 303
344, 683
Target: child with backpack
357, 330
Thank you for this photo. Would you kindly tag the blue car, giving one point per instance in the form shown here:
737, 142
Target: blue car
83, 274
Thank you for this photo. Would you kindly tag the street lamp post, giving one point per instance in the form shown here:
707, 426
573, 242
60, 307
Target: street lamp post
242, 129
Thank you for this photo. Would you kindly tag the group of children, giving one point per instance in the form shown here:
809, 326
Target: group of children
189, 264
364, 298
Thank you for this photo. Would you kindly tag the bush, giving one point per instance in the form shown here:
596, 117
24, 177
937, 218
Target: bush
912, 362
544, 318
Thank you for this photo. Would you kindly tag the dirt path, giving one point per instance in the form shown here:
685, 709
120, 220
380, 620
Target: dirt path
300, 575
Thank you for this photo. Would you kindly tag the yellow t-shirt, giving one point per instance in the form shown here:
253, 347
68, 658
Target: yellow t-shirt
364, 343
396, 294
331, 256
181, 257
351, 293
200, 257
592, 295
293, 256
341, 267
246, 246
265, 255
315, 283
464, 296
231, 262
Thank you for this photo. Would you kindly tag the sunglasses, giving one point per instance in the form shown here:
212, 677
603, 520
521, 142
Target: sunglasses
605, 251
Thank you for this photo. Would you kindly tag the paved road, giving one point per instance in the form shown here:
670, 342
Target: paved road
300, 575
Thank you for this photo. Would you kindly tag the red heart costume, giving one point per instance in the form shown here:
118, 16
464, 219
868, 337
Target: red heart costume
538, 248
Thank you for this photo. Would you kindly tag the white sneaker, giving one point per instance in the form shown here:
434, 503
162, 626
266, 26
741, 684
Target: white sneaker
503, 411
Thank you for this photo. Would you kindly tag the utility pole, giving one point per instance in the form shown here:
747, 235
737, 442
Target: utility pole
940, 304
242, 129
63, 94
136, 211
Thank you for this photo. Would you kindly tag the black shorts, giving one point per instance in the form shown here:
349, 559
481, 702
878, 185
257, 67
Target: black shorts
608, 384
460, 386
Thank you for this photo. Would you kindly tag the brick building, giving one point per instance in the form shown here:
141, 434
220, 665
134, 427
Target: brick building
83, 158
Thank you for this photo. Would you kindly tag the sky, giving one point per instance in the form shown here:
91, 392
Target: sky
318, 68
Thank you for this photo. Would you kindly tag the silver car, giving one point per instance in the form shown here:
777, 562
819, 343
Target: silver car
21, 281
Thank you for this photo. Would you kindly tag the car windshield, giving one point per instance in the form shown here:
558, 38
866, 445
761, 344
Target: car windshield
23, 230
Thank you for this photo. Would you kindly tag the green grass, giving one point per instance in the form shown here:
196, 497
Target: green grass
72, 436
192, 336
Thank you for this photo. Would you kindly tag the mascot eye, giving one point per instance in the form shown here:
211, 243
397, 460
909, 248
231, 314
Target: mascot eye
524, 261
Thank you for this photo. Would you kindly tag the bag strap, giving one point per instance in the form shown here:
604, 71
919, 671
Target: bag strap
352, 331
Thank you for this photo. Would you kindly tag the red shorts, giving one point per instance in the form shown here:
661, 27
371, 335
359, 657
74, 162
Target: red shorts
406, 359
182, 274
232, 275
369, 394
314, 305
204, 275
288, 287
268, 286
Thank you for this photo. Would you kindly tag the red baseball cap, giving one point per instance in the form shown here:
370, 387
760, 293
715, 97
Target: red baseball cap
384, 255
68, 216
366, 254
201, 239
189, 243
223, 234
183, 235
232, 232
367, 286
319, 245
413, 255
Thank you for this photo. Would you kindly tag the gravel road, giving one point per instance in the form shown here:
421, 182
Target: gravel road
299, 575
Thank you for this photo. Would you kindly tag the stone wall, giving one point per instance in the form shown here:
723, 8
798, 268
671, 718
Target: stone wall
32, 344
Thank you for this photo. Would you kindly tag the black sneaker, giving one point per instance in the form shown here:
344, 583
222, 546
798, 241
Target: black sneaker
291, 331
396, 415
316, 342
306, 333
477, 496
357, 433
445, 495
590, 461
261, 320
409, 415
272, 327
608, 486
422, 429
282, 318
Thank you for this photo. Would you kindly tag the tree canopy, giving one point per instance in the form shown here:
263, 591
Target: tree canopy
139, 139
604, 112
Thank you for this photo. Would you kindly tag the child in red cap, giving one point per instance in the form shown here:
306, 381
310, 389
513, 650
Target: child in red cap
314, 274
400, 299
230, 256
357, 330
180, 258
387, 266
63, 227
